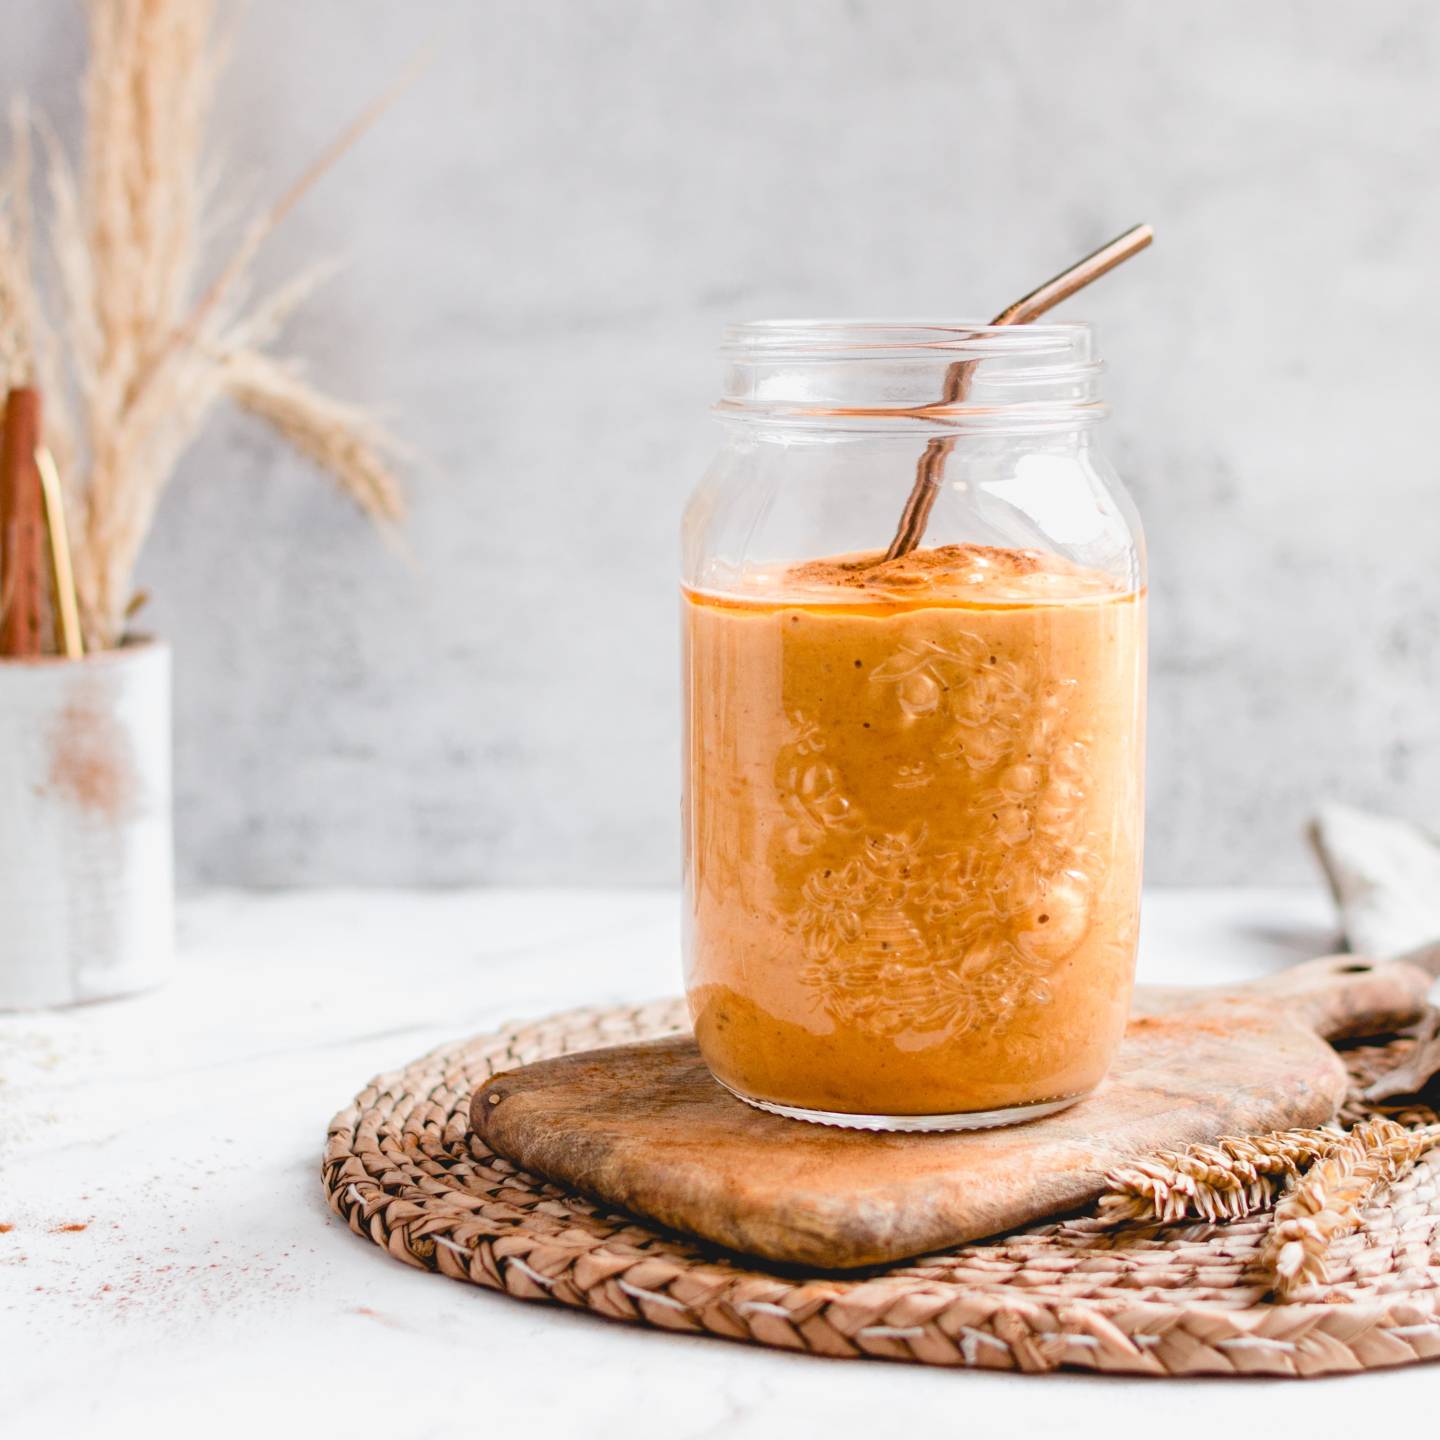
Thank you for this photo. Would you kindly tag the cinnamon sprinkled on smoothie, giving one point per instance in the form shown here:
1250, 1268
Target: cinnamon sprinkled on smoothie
944, 564
964, 574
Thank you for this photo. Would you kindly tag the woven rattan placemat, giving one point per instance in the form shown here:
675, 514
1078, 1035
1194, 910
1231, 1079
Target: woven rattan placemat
402, 1169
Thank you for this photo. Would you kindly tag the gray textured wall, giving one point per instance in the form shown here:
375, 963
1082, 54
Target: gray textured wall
543, 241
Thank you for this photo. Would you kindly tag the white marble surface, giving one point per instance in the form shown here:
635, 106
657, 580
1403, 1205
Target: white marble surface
211, 1291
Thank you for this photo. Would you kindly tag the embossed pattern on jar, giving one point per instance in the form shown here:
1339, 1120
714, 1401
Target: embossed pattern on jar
913, 839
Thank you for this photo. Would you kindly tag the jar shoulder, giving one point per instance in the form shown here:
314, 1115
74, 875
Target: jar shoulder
768, 501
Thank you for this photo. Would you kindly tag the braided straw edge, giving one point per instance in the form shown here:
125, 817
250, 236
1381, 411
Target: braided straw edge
890, 1317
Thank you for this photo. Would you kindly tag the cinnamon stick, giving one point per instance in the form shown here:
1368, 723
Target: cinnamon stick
23, 575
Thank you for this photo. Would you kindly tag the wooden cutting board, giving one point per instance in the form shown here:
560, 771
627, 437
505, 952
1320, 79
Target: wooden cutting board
644, 1126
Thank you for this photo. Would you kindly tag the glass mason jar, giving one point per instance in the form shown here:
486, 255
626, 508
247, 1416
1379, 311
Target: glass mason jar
913, 785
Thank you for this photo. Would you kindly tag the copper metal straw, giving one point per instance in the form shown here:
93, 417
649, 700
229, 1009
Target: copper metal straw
931, 468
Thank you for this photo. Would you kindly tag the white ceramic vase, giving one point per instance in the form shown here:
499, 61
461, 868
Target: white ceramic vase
86, 860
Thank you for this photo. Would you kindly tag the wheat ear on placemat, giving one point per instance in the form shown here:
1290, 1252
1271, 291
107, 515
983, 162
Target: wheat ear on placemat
1234, 1177
1331, 1199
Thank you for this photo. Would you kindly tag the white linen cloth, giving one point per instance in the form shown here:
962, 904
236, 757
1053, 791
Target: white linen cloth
1385, 876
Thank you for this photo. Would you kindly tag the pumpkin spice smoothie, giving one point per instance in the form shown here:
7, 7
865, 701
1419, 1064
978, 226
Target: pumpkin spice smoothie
912, 830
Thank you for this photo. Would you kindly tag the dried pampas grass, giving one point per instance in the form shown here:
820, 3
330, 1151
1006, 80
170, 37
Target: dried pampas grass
148, 344
18, 305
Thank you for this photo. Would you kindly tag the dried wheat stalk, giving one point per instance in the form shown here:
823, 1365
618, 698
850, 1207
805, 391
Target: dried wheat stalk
1234, 1177
338, 437
1331, 1199
148, 348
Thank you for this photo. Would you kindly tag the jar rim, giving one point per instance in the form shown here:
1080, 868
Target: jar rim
896, 375
875, 338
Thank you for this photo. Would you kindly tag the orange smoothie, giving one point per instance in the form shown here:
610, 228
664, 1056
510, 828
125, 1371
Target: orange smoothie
913, 829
